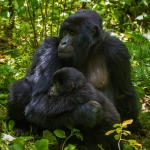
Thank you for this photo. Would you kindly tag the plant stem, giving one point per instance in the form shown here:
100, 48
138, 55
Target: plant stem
62, 148
120, 139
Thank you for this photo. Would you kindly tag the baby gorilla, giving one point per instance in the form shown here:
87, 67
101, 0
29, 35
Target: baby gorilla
70, 85
65, 80
67, 83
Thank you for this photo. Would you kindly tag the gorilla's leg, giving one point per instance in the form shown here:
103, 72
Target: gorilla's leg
128, 108
19, 97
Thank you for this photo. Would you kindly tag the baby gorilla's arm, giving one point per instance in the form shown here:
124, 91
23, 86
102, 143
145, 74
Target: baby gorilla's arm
88, 114
52, 117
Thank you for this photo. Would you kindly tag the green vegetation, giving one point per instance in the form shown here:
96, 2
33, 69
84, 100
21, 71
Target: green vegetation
120, 132
25, 23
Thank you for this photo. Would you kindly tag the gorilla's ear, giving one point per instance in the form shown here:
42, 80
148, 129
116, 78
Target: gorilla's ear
93, 31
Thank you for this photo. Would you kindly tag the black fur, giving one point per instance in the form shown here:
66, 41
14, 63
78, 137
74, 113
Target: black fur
66, 80
67, 109
83, 44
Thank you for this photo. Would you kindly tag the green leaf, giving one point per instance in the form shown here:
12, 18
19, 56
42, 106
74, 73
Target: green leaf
4, 126
126, 146
18, 144
34, 3
50, 136
15, 3
128, 2
41, 144
132, 141
69, 126
76, 130
11, 124
16, 147
116, 125
70, 147
26, 138
118, 130
141, 92
19, 141
117, 136
20, 3
3, 96
60, 133
79, 136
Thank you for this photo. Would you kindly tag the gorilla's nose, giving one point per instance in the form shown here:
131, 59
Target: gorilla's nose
64, 42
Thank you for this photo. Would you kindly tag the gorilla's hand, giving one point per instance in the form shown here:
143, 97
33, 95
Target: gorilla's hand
89, 114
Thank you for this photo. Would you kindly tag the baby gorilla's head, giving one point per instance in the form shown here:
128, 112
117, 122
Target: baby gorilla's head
66, 80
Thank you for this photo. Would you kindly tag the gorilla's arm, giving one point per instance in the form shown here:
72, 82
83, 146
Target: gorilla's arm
45, 63
56, 115
19, 97
37, 80
87, 115
79, 107
118, 62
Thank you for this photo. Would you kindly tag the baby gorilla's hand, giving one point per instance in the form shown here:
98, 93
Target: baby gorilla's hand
96, 112
88, 114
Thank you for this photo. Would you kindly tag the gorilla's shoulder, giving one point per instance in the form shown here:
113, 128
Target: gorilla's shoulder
112, 39
113, 45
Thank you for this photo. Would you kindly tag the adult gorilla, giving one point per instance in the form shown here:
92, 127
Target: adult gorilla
84, 45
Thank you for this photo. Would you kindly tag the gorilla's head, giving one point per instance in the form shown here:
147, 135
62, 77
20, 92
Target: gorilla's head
79, 34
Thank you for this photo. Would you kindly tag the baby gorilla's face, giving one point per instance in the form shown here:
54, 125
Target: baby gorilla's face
57, 89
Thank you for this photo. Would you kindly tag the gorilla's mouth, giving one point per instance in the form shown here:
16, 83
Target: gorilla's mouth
64, 52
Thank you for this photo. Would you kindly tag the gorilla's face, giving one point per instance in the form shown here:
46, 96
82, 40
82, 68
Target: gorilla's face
65, 49
79, 33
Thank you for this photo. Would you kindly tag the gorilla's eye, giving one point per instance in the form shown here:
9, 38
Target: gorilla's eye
56, 84
65, 31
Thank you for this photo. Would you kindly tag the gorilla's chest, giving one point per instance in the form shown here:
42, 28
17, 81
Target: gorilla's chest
98, 77
97, 73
